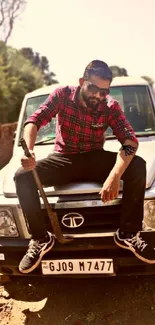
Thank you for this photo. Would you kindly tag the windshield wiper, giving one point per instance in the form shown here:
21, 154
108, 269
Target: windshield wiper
145, 134
49, 139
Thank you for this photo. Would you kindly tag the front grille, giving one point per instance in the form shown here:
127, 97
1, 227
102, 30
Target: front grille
96, 219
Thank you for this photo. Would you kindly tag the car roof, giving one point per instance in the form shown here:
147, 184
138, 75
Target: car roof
129, 81
117, 81
43, 91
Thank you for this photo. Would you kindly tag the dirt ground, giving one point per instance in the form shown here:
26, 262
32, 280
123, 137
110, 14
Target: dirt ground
89, 301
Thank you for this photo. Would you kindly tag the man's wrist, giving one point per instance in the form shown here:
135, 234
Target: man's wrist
116, 172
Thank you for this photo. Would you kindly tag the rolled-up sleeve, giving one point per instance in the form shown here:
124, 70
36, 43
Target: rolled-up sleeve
47, 110
119, 124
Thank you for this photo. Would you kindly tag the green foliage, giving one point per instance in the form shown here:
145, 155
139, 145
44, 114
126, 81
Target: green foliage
17, 77
40, 62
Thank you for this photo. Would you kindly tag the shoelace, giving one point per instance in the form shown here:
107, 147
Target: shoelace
34, 248
139, 242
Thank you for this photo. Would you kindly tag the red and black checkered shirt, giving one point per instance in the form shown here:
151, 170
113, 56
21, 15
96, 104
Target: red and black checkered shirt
80, 129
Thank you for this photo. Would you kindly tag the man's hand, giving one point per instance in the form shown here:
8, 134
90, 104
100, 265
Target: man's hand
29, 163
110, 188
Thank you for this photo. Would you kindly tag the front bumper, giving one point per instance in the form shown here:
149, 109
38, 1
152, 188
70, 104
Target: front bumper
125, 263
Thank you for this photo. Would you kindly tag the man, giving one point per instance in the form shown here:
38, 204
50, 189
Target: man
83, 115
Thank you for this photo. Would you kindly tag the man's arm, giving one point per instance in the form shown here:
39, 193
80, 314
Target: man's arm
44, 114
30, 134
111, 186
125, 134
124, 157
38, 119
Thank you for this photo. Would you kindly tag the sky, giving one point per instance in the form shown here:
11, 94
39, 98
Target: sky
71, 33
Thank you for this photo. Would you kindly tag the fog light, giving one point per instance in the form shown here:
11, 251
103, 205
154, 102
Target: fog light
149, 214
7, 223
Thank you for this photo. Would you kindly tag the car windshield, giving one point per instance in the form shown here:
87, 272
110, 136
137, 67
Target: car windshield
47, 133
136, 103
134, 100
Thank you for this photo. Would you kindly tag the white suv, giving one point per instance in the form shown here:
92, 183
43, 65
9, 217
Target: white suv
93, 236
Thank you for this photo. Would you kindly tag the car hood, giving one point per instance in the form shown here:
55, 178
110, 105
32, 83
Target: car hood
145, 150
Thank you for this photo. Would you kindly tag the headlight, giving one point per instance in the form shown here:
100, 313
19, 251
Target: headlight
7, 223
149, 215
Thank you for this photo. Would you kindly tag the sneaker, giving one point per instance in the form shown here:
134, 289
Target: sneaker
36, 250
138, 246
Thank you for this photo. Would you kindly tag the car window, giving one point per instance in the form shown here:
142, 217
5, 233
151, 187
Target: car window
137, 106
32, 105
135, 101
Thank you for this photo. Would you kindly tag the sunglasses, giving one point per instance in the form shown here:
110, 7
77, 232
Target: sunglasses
94, 89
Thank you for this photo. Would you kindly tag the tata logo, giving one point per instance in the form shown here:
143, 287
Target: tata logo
72, 220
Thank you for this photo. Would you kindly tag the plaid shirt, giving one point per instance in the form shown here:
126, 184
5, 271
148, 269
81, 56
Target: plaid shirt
80, 129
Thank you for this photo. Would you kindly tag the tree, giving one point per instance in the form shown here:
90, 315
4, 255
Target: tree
10, 10
17, 77
42, 63
118, 72
27, 52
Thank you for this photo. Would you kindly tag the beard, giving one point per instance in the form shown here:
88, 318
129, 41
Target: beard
91, 101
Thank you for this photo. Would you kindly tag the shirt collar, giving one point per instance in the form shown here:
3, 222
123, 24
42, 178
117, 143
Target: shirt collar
75, 94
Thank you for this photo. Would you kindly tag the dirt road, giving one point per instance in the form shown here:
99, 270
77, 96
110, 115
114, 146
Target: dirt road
100, 301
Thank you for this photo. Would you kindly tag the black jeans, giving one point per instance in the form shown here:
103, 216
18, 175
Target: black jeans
58, 169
